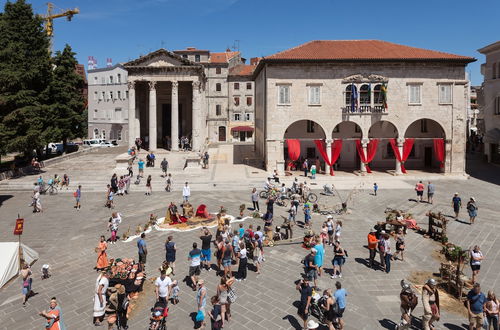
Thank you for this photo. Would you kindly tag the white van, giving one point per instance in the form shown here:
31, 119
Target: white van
92, 142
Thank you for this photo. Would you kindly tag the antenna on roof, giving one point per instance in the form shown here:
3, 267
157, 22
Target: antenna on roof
236, 46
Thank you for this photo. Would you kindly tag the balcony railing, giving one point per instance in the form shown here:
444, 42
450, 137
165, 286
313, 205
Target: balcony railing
365, 109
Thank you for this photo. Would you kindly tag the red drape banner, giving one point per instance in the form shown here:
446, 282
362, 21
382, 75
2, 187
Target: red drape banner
320, 144
439, 151
407, 146
336, 148
293, 149
371, 150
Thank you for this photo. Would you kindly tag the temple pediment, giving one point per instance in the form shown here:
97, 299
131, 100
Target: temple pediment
159, 58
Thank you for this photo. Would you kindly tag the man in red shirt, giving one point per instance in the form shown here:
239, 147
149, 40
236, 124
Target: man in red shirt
419, 188
372, 247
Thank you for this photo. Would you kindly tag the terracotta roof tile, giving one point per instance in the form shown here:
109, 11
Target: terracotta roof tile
361, 50
222, 57
242, 70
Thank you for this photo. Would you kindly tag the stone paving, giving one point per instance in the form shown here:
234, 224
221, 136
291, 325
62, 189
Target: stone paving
66, 239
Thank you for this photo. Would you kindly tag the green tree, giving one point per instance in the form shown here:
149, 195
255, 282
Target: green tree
25, 72
66, 117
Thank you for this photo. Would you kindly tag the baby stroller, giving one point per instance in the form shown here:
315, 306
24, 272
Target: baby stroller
45, 271
158, 320
137, 180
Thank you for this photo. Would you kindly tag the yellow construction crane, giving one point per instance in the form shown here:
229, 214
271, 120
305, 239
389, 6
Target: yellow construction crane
49, 18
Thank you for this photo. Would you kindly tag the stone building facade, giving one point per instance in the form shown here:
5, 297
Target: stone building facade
491, 101
306, 93
241, 103
108, 104
187, 87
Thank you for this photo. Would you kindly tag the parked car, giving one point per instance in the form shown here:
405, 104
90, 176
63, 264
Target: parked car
107, 144
93, 142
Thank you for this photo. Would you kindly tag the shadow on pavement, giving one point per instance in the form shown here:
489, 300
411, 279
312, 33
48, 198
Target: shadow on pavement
387, 324
293, 322
455, 327
480, 170
3, 198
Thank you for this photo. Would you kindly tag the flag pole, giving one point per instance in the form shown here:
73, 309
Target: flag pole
19, 252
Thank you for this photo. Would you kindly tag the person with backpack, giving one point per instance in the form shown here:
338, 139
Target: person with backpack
78, 194
409, 301
472, 210
338, 259
123, 304
164, 166
381, 249
310, 268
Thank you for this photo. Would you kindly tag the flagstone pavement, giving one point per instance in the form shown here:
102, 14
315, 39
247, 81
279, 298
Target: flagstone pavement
65, 239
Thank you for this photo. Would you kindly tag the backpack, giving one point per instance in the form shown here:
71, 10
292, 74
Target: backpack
75, 194
125, 303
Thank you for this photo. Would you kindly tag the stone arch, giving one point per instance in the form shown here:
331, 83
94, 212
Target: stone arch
383, 129
306, 131
424, 131
348, 131
425, 128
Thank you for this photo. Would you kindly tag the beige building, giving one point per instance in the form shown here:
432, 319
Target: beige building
108, 104
180, 93
491, 101
241, 103
362, 90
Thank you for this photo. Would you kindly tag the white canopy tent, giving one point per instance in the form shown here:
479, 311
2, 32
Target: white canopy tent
9, 259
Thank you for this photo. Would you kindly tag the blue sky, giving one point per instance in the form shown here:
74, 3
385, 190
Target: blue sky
125, 29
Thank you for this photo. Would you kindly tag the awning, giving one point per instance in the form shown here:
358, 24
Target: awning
242, 129
493, 136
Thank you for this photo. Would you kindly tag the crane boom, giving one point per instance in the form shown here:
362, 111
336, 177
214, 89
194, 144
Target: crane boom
49, 17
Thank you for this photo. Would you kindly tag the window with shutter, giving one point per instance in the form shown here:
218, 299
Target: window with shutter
445, 94
284, 94
414, 94
314, 95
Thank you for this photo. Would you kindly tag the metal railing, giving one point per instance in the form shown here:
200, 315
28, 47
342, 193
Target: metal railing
365, 109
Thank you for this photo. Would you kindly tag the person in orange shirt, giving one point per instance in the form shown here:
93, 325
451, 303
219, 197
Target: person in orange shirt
102, 257
53, 316
372, 247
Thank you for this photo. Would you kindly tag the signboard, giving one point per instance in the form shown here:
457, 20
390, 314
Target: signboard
18, 230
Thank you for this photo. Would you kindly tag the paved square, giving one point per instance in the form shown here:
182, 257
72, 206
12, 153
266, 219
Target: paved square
66, 239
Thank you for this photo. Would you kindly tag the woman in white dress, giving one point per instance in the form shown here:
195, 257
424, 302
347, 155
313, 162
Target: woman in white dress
101, 286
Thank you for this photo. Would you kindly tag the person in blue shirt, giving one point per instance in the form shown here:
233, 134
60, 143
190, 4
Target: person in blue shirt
456, 202
375, 188
340, 295
143, 251
475, 307
241, 231
140, 165
320, 253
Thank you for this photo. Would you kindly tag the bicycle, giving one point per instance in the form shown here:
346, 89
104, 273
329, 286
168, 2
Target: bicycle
51, 188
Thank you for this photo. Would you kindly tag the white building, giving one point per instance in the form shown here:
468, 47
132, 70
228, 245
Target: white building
334, 91
108, 104
491, 98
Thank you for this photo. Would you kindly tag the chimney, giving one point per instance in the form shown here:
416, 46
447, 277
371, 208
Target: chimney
254, 60
190, 48
109, 62
228, 50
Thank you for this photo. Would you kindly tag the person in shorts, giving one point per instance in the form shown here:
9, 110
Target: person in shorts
430, 192
311, 269
419, 188
142, 249
339, 296
206, 253
475, 307
305, 299
194, 266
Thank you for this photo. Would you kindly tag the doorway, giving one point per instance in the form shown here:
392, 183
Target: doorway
166, 110
222, 133
428, 157
242, 136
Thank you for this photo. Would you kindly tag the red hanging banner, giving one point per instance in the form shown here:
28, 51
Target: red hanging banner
293, 149
407, 146
439, 151
320, 145
336, 148
371, 150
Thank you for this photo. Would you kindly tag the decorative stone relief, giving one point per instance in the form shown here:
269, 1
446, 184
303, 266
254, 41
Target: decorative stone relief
131, 84
152, 84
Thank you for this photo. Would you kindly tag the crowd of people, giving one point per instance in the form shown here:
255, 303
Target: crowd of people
231, 252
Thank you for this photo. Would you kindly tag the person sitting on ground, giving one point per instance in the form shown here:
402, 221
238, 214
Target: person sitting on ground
187, 210
173, 215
